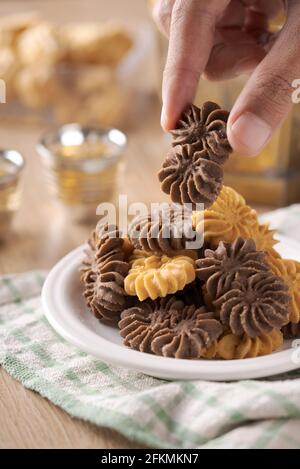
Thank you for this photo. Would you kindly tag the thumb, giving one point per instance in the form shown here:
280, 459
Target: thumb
267, 97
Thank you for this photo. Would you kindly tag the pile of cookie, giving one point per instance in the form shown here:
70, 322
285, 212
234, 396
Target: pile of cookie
234, 297
69, 68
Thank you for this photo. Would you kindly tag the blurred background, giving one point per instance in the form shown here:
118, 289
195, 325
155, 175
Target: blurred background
98, 65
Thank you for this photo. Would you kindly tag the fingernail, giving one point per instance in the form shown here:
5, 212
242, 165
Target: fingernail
251, 132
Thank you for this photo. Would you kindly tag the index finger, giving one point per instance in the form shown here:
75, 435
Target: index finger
191, 40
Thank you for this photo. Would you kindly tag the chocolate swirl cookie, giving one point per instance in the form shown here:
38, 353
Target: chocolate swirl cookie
89, 252
255, 305
204, 129
191, 294
166, 231
169, 328
109, 297
220, 267
88, 268
191, 177
193, 172
109, 246
291, 331
103, 271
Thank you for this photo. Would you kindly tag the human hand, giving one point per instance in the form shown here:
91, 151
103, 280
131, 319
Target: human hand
222, 39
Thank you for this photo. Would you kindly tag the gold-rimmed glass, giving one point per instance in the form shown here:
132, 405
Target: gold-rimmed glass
82, 166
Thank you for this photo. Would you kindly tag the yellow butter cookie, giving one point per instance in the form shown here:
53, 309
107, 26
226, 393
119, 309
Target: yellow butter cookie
228, 218
264, 238
289, 271
154, 276
210, 352
138, 253
232, 347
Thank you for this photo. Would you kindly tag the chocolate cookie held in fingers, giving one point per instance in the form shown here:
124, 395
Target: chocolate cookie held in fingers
192, 172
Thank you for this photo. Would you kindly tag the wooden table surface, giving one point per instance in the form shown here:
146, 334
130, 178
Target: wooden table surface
42, 235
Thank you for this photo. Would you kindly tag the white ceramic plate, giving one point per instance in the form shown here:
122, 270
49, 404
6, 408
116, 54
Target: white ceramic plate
65, 310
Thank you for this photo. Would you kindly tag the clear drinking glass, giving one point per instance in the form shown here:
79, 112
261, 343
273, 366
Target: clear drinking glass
82, 166
11, 166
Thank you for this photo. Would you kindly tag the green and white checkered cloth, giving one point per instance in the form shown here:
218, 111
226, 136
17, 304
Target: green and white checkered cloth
198, 414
